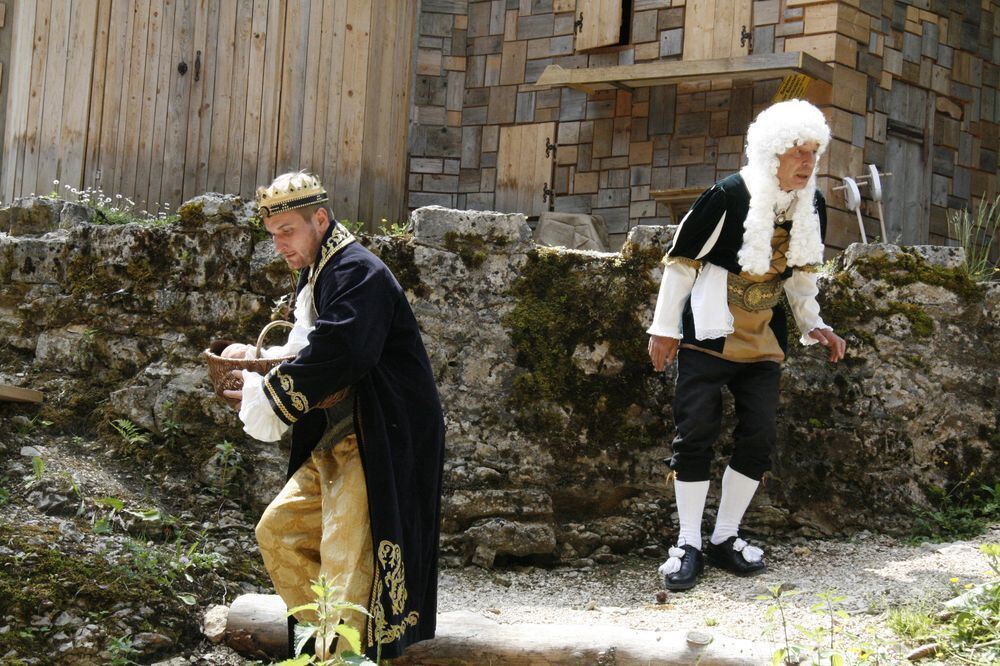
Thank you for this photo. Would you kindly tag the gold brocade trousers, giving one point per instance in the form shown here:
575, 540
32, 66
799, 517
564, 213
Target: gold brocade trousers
318, 524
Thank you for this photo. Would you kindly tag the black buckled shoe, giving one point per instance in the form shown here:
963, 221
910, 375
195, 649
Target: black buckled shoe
692, 564
732, 555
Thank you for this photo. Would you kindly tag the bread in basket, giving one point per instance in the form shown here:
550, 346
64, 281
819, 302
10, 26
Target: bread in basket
220, 369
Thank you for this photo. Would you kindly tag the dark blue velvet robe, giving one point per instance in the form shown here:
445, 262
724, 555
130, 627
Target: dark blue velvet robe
367, 337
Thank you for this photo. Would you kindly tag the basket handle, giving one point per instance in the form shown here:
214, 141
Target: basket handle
260, 338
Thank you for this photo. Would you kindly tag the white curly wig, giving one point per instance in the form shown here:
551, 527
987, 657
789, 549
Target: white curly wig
775, 130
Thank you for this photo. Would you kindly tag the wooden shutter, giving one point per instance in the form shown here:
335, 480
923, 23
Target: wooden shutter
602, 23
712, 29
523, 168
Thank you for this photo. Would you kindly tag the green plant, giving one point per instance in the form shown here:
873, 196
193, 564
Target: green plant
977, 234
37, 471
171, 429
103, 524
116, 209
957, 513
788, 654
326, 629
122, 650
26, 427
394, 229
911, 622
130, 433
356, 227
230, 461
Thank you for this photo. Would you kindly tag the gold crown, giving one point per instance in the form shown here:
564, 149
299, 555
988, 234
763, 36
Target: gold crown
290, 191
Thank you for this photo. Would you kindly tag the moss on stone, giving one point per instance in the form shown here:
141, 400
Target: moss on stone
908, 267
397, 252
565, 300
192, 213
470, 248
921, 323
43, 578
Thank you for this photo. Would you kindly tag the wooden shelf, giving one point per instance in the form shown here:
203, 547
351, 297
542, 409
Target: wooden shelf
665, 72
679, 200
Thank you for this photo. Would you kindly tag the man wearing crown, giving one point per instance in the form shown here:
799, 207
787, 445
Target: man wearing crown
747, 240
362, 501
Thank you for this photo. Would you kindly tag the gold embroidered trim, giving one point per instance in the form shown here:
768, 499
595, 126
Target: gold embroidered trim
278, 402
299, 400
683, 261
809, 268
753, 296
393, 576
338, 240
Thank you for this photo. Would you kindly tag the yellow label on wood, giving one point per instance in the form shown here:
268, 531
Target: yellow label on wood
793, 87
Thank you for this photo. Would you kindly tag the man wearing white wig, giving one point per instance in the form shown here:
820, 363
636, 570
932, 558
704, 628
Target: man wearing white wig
746, 240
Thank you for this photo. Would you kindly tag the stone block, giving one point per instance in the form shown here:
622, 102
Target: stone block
432, 223
510, 537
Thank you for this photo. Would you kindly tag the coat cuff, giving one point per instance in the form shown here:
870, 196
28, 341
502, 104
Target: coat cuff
259, 420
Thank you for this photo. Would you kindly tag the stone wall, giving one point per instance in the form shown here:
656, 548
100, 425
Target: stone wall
557, 426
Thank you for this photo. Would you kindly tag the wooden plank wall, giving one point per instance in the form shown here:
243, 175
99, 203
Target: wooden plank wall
98, 99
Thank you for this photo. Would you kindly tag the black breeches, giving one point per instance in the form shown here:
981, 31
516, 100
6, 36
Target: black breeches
698, 413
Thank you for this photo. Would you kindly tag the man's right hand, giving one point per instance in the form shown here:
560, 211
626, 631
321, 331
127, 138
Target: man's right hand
662, 350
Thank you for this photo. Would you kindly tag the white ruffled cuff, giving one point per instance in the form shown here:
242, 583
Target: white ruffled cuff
802, 290
259, 420
675, 287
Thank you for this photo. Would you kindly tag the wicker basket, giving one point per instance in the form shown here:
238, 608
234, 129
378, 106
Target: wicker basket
221, 369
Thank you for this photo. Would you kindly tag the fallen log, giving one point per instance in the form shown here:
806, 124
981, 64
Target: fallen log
465, 638
257, 627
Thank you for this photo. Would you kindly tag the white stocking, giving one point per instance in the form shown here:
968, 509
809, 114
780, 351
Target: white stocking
690, 497
737, 491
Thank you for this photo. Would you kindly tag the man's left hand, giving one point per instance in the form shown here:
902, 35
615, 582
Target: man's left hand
233, 397
831, 340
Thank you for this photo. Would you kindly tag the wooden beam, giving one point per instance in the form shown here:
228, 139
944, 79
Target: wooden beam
665, 72
16, 394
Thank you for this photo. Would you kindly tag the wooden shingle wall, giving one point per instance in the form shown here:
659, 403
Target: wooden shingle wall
478, 60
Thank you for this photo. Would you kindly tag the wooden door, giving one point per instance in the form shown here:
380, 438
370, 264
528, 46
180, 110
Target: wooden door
712, 29
524, 168
908, 149
602, 23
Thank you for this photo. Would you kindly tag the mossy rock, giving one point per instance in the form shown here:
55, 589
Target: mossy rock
567, 301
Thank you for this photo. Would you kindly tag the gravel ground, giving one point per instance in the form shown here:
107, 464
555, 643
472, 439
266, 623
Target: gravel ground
872, 572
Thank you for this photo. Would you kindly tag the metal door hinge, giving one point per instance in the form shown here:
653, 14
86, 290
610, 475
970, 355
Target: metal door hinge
550, 148
578, 24
746, 37
547, 193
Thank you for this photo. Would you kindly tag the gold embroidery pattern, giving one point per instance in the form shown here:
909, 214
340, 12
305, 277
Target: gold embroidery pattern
809, 268
277, 401
753, 296
299, 400
391, 557
683, 261
338, 240
390, 560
